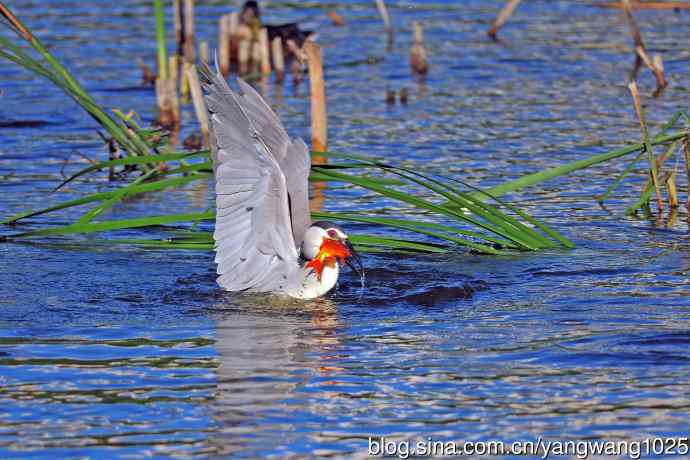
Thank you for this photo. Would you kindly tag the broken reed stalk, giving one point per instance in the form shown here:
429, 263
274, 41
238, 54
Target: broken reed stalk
383, 11
278, 58
299, 57
255, 58
224, 44
184, 82
177, 23
686, 157
203, 52
647, 144
336, 19
243, 51
641, 55
175, 78
198, 101
418, 55
173, 66
502, 18
188, 24
148, 78
232, 39
319, 123
166, 90
672, 190
264, 52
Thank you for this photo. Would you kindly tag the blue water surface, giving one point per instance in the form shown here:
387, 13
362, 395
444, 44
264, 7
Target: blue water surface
124, 352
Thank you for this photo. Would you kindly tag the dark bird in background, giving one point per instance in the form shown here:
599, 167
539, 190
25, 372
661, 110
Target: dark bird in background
250, 15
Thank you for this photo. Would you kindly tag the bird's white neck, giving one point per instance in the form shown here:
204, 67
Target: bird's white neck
312, 287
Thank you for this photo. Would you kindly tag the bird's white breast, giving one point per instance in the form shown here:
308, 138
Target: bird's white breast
311, 287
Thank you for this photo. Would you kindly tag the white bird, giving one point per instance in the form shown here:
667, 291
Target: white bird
264, 238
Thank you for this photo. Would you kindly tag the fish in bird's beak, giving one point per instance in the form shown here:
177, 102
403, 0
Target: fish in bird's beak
357, 267
336, 249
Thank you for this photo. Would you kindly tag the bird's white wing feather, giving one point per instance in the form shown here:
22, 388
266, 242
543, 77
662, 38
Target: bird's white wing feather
292, 157
254, 239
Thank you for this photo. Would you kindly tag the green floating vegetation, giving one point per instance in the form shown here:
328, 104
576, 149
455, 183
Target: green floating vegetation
470, 223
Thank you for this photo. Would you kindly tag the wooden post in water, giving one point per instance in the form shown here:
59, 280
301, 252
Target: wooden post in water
278, 58
502, 18
319, 122
199, 105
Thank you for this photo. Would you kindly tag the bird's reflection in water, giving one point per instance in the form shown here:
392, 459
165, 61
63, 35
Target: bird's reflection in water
268, 349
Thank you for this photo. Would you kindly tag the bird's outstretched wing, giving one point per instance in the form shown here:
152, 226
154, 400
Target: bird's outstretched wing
254, 238
292, 157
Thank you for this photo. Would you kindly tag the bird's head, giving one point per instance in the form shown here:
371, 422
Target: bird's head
325, 244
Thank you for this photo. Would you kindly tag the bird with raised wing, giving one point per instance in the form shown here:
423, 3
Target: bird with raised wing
264, 238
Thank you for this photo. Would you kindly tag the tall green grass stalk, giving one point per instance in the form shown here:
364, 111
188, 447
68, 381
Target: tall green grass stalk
160, 39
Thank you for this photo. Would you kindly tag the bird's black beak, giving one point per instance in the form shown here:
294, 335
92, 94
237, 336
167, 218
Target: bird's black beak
357, 266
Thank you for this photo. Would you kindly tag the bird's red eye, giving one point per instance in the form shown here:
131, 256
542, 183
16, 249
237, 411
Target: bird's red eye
332, 233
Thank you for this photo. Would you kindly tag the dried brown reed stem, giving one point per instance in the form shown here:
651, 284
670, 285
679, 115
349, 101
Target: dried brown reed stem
299, 58
166, 95
672, 190
641, 55
319, 123
173, 68
224, 44
418, 56
686, 157
278, 58
255, 60
383, 11
390, 96
16, 23
148, 78
265, 52
198, 101
177, 23
502, 18
184, 82
648, 145
243, 54
203, 52
188, 17
336, 19
404, 95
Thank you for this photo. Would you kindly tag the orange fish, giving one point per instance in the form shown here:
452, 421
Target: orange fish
329, 251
